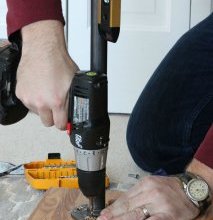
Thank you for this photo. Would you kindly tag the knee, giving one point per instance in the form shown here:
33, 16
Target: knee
138, 148
152, 153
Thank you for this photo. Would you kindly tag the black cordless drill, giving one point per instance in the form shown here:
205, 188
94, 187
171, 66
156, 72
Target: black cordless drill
90, 136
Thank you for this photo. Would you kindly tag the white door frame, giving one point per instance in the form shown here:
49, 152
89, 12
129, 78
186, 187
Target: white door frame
200, 9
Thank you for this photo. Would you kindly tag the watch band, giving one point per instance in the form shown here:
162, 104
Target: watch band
185, 178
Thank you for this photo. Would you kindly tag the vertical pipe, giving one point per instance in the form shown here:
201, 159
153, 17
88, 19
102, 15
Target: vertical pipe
211, 5
98, 45
190, 14
98, 64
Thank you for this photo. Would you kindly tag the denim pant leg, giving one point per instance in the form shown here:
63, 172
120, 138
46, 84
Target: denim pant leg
175, 109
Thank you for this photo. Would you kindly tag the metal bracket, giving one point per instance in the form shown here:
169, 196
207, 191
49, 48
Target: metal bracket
83, 213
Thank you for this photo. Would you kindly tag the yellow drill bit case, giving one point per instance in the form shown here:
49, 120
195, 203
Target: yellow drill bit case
54, 172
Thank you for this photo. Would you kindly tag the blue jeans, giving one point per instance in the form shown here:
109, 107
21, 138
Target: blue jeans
175, 109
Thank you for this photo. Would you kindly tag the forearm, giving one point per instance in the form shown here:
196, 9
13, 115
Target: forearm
45, 35
206, 173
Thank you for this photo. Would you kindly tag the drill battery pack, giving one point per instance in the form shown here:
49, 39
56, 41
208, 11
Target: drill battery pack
54, 172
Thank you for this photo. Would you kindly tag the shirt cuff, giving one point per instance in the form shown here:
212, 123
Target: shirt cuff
23, 12
205, 151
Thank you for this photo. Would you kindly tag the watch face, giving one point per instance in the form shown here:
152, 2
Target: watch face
197, 190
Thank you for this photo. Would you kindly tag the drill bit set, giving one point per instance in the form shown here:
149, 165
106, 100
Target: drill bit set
53, 172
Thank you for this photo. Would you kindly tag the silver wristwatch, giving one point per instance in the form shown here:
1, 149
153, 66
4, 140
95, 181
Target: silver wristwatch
197, 190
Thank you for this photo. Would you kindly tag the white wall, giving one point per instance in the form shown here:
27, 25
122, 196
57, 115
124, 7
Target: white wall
3, 11
199, 10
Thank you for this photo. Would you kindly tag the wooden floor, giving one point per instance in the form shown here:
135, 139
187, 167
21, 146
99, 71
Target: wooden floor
58, 203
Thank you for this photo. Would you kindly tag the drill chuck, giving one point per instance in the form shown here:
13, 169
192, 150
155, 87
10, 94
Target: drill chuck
91, 160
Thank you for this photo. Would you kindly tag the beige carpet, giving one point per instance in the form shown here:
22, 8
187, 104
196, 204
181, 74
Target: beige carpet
29, 141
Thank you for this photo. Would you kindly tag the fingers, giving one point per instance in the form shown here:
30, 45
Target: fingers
160, 216
56, 114
155, 198
135, 192
60, 115
136, 214
139, 213
50, 114
130, 206
46, 117
144, 185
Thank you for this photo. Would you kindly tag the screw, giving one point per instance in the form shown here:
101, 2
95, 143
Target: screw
136, 176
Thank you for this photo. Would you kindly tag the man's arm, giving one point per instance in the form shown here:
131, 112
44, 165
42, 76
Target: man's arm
163, 197
205, 151
46, 70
